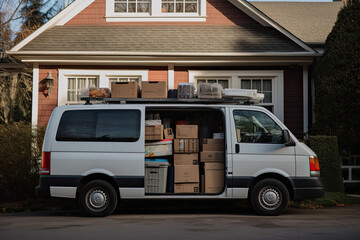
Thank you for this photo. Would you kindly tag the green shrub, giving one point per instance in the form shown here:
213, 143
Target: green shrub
19, 169
326, 148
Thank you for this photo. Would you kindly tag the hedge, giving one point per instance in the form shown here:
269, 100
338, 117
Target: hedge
326, 148
19, 166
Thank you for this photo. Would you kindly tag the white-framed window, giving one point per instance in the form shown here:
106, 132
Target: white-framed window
76, 83
262, 85
132, 6
155, 10
224, 82
124, 79
179, 6
73, 80
271, 84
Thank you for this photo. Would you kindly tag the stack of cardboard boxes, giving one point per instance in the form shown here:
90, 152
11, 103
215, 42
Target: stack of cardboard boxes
155, 89
212, 156
186, 159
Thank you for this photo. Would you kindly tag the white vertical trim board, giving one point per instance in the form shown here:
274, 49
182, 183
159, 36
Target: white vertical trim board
305, 99
35, 95
234, 75
171, 76
103, 76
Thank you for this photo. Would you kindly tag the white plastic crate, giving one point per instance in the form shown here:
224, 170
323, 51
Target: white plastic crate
156, 177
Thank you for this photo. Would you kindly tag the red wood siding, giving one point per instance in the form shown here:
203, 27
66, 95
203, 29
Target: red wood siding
47, 103
219, 12
293, 100
181, 75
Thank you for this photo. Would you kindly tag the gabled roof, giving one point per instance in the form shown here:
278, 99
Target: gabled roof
268, 38
309, 21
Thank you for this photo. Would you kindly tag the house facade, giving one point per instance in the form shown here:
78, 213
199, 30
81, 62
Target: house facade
230, 42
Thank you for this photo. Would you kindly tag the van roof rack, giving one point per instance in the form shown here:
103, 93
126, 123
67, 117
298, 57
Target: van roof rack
234, 101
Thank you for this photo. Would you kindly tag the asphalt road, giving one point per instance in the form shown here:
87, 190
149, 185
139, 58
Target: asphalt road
204, 224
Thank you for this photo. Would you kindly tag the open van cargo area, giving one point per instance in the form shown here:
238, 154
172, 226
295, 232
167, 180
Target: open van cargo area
184, 151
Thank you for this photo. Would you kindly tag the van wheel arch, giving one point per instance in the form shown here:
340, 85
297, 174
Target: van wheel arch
97, 176
286, 181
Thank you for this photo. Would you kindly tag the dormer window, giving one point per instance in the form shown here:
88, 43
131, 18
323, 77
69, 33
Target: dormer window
132, 6
155, 10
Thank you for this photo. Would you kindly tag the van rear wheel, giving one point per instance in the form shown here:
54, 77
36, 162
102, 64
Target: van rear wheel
269, 197
98, 198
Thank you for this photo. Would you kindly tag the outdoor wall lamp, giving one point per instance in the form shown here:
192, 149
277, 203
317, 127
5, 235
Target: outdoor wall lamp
49, 82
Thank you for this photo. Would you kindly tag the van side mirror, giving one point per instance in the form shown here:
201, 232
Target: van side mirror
288, 141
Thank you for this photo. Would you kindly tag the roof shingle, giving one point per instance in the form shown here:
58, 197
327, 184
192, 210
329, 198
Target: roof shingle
184, 39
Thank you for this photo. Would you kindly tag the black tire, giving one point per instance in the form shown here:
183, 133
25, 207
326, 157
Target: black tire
269, 197
98, 198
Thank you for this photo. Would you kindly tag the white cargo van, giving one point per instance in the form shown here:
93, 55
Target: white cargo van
96, 153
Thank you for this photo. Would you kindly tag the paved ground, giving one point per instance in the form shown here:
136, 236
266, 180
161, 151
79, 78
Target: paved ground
204, 224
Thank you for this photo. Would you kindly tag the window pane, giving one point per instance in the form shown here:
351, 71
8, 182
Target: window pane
224, 83
267, 85
71, 83
267, 97
92, 82
179, 7
190, 7
246, 84
99, 126
143, 7
134, 79
81, 83
71, 96
257, 127
167, 7
132, 7
120, 7
113, 79
211, 81
256, 84
201, 81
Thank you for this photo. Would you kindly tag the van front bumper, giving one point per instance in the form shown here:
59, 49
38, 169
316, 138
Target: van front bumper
307, 188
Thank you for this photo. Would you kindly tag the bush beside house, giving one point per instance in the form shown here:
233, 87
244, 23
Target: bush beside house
19, 169
327, 150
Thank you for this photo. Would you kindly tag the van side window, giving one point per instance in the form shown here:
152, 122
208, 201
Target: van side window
99, 126
256, 127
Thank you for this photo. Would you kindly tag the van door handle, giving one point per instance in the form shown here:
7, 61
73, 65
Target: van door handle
237, 148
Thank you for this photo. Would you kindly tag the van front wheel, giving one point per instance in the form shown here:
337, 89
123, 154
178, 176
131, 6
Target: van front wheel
269, 197
98, 198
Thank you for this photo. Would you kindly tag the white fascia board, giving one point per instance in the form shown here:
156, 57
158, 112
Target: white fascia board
173, 54
60, 19
264, 20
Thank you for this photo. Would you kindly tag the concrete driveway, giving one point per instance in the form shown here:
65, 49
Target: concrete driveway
228, 223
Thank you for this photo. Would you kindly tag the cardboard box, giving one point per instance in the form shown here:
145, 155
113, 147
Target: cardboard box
212, 156
125, 89
186, 145
168, 133
210, 144
154, 132
154, 89
186, 188
186, 131
186, 159
158, 149
214, 177
186, 173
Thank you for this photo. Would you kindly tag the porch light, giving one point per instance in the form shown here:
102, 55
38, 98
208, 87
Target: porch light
49, 82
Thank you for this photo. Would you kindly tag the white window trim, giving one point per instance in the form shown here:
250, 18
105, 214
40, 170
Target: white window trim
103, 78
155, 14
233, 75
